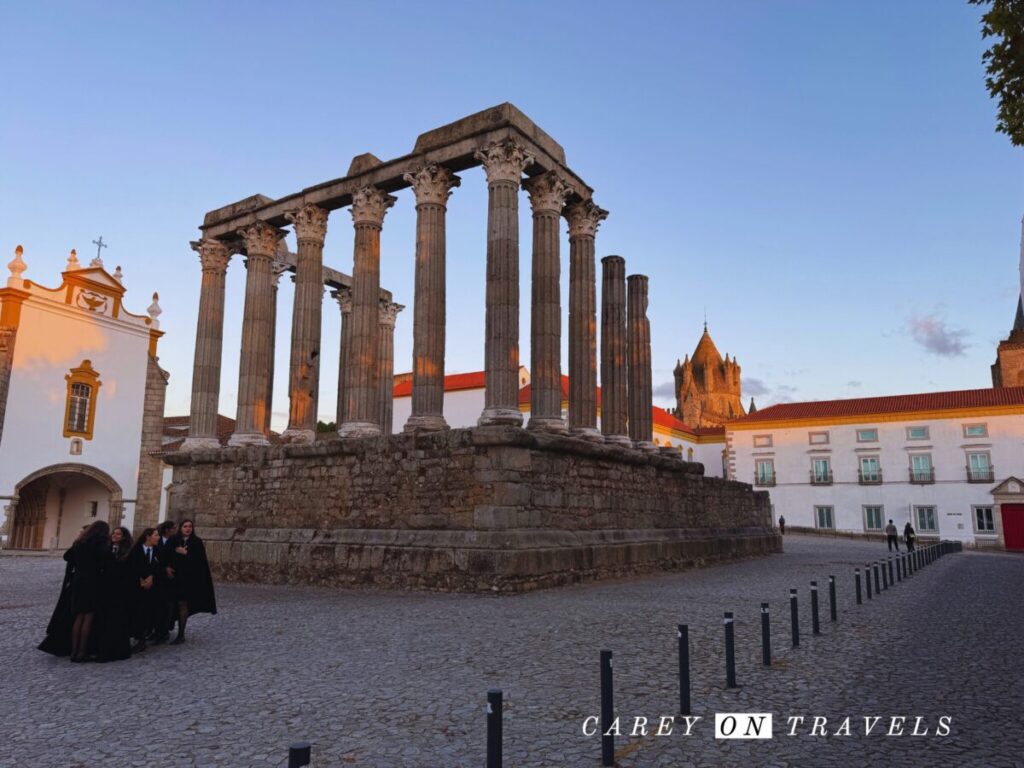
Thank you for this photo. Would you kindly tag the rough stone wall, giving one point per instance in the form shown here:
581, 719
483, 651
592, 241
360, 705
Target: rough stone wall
147, 495
1008, 370
496, 508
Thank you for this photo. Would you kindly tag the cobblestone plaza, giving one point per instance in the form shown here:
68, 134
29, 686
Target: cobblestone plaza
376, 678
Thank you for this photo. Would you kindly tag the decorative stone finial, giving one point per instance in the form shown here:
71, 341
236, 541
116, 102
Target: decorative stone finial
17, 267
370, 204
310, 222
584, 218
547, 192
97, 262
504, 161
73, 261
154, 311
118, 275
432, 184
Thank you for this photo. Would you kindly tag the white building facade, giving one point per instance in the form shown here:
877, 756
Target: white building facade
81, 406
932, 459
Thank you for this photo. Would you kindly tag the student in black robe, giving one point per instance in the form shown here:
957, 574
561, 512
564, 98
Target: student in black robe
143, 566
193, 583
165, 582
80, 595
113, 641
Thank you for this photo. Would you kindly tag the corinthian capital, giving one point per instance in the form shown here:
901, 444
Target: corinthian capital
584, 218
261, 239
432, 184
213, 255
388, 313
547, 192
504, 161
344, 299
370, 204
310, 222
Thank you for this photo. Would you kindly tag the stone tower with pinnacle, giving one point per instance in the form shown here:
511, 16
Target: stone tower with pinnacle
708, 387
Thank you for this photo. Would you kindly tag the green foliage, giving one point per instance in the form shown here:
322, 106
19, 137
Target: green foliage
326, 426
1004, 61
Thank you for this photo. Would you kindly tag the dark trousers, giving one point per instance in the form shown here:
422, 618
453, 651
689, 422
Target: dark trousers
894, 542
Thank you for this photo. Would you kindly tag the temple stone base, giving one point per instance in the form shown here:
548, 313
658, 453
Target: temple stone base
490, 509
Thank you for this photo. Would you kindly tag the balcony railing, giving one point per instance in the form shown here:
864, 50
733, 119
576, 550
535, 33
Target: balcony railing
764, 481
987, 475
821, 478
870, 477
922, 476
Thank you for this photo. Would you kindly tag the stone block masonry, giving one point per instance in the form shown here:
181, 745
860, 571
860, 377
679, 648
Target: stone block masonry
487, 509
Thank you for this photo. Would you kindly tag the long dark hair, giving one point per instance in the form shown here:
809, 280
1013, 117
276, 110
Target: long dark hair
126, 542
141, 541
99, 531
181, 534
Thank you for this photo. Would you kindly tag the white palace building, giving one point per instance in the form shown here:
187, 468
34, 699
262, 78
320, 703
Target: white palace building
81, 406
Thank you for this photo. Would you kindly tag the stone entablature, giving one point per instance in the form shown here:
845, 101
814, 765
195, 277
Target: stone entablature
486, 509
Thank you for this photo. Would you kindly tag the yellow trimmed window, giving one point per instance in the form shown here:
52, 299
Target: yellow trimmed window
80, 410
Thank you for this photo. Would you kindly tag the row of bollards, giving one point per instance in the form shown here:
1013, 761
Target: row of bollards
886, 574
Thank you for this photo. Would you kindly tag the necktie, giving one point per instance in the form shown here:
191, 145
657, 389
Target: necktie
149, 554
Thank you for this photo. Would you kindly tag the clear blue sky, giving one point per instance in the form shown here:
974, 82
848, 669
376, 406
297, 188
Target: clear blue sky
823, 177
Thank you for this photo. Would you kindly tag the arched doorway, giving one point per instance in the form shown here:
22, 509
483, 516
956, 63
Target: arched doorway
52, 505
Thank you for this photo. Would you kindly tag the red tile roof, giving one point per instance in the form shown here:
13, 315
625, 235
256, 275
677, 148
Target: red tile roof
890, 404
452, 383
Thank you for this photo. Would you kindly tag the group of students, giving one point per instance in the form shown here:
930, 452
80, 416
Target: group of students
117, 596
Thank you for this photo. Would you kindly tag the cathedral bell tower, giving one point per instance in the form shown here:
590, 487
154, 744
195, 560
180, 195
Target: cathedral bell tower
708, 387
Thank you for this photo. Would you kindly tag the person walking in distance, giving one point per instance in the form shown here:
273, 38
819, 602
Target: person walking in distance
909, 536
782, 524
892, 536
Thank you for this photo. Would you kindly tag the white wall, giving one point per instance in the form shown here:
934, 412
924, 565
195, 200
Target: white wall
951, 494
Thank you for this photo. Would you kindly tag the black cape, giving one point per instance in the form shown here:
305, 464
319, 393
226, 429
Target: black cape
193, 581
58, 631
113, 620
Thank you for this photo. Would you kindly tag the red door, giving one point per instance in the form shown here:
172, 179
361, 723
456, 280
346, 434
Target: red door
1013, 525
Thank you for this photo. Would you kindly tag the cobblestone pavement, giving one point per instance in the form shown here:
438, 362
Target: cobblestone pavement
400, 679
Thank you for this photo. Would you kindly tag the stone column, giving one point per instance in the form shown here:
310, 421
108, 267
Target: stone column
584, 218
213, 256
613, 350
369, 205
278, 270
254, 368
386, 360
304, 372
547, 197
638, 348
344, 298
432, 185
503, 163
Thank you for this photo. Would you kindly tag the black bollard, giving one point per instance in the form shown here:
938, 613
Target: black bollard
885, 578
730, 652
794, 618
892, 580
832, 598
607, 710
299, 754
766, 637
878, 581
815, 627
856, 582
867, 578
684, 669
899, 572
494, 728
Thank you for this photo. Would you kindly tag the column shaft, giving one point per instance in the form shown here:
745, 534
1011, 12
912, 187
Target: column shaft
503, 163
432, 185
268, 412
344, 297
304, 371
613, 350
214, 257
584, 218
638, 343
362, 381
257, 335
386, 360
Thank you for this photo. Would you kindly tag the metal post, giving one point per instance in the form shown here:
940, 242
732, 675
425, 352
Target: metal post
794, 618
856, 581
299, 754
885, 577
832, 597
766, 636
730, 652
878, 581
684, 669
494, 728
892, 581
815, 626
899, 568
607, 710
867, 578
